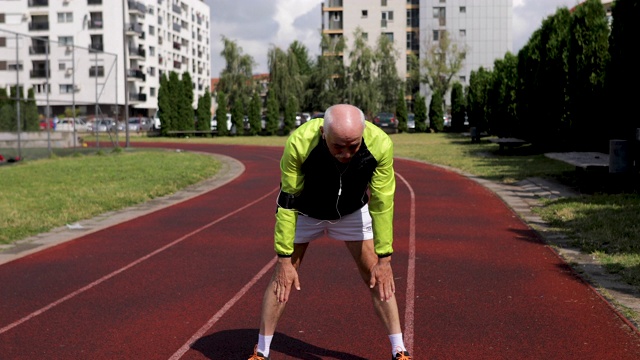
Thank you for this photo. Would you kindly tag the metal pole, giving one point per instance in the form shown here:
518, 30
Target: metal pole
124, 58
116, 101
46, 90
73, 91
18, 97
95, 73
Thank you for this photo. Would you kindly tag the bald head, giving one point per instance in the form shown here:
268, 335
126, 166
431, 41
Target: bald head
344, 120
342, 130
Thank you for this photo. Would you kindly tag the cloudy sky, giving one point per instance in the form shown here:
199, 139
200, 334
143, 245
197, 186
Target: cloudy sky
257, 25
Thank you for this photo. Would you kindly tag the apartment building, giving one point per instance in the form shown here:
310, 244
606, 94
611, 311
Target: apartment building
482, 27
100, 55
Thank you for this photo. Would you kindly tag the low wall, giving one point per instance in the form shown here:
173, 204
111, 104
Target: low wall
40, 139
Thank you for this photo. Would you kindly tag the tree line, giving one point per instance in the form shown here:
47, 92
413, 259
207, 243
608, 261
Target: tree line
570, 87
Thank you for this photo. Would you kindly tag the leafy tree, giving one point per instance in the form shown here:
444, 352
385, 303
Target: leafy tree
623, 70
285, 77
165, 105
458, 111
237, 116
412, 84
436, 112
305, 68
221, 114
326, 89
174, 90
7, 117
420, 113
272, 114
255, 109
587, 59
401, 111
290, 115
185, 118
236, 79
501, 102
388, 79
31, 122
443, 60
203, 112
476, 99
361, 89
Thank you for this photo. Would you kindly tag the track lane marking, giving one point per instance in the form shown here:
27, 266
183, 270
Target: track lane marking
203, 330
130, 265
411, 271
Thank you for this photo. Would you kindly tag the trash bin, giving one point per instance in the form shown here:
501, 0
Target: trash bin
620, 156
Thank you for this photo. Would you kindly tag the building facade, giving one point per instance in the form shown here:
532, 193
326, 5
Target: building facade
483, 28
99, 55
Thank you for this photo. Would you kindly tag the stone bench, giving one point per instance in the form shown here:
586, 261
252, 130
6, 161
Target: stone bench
587, 161
508, 142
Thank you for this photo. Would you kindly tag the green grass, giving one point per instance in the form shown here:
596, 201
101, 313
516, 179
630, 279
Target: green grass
37, 196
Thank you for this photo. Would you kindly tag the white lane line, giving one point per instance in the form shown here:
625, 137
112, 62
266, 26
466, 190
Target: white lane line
411, 271
130, 265
200, 333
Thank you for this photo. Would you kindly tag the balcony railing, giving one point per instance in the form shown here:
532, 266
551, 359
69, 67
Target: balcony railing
39, 26
34, 3
139, 51
177, 64
136, 28
136, 74
94, 2
176, 27
137, 97
95, 24
176, 45
38, 73
96, 47
38, 50
177, 9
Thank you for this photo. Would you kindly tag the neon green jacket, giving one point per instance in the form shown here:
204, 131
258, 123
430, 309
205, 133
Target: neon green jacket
313, 184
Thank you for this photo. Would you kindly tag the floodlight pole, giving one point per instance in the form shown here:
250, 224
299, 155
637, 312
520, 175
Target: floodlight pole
124, 58
18, 96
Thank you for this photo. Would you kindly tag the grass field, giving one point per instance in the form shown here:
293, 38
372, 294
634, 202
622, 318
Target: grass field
37, 195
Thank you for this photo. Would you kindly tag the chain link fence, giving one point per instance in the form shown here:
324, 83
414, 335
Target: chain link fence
55, 95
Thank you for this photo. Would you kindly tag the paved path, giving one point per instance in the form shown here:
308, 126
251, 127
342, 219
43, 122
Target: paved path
185, 280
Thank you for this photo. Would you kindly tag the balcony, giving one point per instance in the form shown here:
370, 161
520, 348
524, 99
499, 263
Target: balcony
38, 74
99, 71
95, 24
177, 27
38, 50
96, 47
177, 9
134, 75
136, 7
332, 5
138, 52
39, 26
176, 45
137, 97
177, 64
133, 29
38, 3
94, 2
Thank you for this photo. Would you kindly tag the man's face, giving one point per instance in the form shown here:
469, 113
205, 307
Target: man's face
342, 147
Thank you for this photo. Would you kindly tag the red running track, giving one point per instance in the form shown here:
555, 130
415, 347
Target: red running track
186, 282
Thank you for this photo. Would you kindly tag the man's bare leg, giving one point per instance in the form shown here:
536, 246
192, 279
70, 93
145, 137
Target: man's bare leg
365, 257
272, 308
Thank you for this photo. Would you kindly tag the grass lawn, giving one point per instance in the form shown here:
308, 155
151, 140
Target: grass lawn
38, 195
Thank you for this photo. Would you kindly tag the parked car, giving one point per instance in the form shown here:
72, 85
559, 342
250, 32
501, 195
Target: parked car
411, 122
67, 124
386, 121
302, 118
317, 115
47, 124
107, 125
140, 124
214, 123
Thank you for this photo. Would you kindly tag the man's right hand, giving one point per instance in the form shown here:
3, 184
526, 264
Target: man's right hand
284, 277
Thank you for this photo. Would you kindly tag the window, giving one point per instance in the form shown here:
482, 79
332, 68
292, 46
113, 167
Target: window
437, 35
14, 67
62, 65
66, 88
365, 36
96, 71
152, 92
383, 2
389, 35
3, 41
152, 30
463, 33
65, 17
463, 9
152, 51
365, 14
42, 88
462, 78
3, 65
387, 15
2, 18
65, 40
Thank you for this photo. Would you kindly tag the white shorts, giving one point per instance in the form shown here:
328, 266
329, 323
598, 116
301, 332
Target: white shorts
352, 227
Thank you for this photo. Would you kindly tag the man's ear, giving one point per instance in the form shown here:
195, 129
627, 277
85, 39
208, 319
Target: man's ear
322, 132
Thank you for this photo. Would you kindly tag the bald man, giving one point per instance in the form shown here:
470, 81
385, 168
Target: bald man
326, 169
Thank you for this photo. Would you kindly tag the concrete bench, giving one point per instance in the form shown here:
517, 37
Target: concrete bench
191, 132
587, 161
508, 142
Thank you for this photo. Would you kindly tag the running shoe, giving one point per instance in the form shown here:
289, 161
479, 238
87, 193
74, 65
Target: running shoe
402, 355
257, 355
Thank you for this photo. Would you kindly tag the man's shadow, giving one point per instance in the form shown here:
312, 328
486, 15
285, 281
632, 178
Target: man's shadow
238, 345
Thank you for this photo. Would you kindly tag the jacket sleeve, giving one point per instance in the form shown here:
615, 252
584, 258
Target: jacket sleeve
383, 187
296, 151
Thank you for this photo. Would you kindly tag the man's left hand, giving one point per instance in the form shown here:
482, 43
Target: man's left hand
382, 275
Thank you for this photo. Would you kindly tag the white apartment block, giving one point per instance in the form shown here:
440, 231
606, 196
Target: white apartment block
482, 27
86, 53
